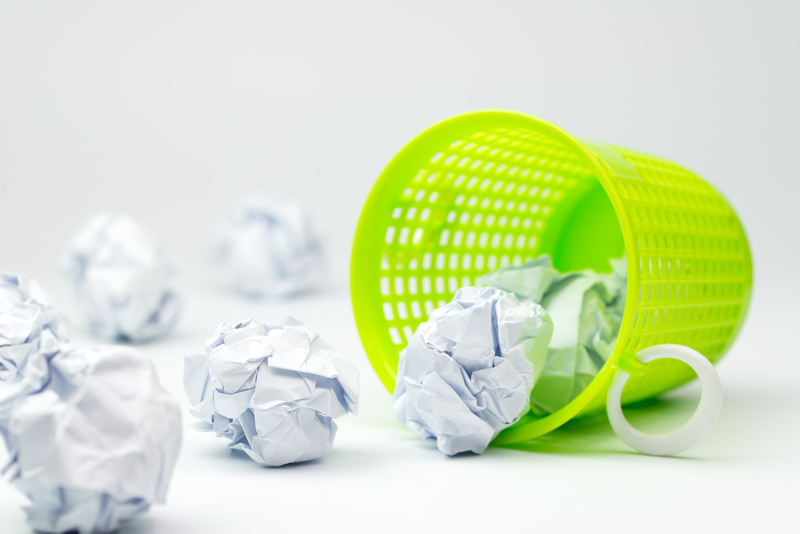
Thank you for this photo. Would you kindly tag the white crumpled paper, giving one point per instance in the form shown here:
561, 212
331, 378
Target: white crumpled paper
28, 324
273, 391
586, 308
468, 371
266, 247
95, 444
121, 278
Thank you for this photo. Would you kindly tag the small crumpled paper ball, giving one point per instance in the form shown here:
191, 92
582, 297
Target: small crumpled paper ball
273, 391
468, 371
28, 324
95, 444
267, 248
121, 279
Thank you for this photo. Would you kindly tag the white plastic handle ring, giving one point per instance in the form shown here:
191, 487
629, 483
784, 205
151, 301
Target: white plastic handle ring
694, 430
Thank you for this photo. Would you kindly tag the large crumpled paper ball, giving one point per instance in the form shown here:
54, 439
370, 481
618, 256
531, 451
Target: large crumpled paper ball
95, 443
121, 279
468, 371
28, 324
267, 248
273, 391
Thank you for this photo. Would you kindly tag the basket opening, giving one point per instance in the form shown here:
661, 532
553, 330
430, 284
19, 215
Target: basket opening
462, 199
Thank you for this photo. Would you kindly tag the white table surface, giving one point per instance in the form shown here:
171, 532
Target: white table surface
379, 477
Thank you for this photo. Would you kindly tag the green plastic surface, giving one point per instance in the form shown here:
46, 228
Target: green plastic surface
492, 188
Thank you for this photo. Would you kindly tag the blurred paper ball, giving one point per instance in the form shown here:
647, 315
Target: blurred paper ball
122, 279
266, 247
95, 444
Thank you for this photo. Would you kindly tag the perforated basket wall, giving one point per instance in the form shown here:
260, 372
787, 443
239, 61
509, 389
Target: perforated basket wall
488, 189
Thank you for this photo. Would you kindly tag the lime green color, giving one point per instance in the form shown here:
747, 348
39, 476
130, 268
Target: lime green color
487, 189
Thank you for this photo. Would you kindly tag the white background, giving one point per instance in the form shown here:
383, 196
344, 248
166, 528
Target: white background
171, 110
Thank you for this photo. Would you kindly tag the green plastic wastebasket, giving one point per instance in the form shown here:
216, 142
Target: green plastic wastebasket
487, 189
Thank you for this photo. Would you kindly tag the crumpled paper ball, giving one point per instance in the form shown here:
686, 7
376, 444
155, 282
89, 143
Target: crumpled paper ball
586, 308
267, 248
273, 391
95, 444
28, 324
468, 371
121, 279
